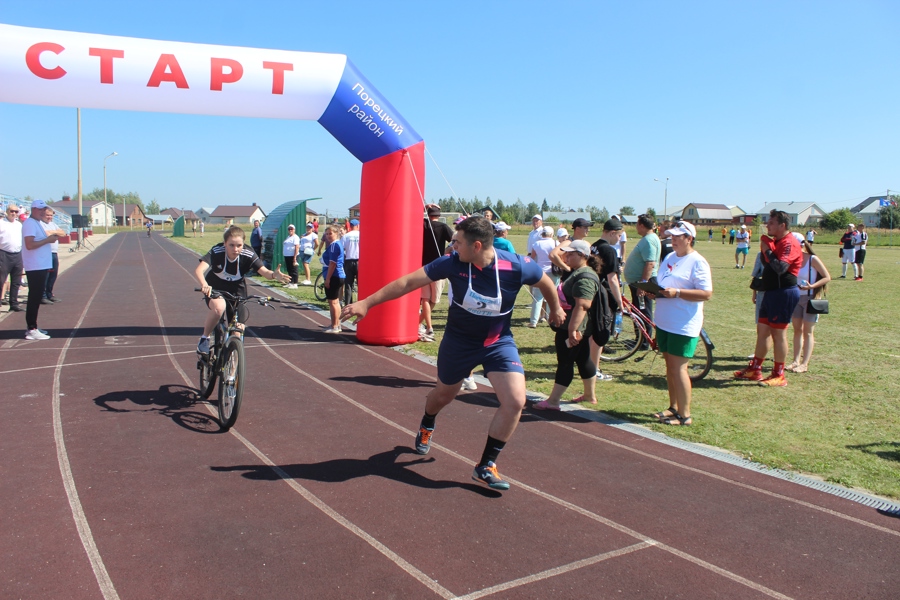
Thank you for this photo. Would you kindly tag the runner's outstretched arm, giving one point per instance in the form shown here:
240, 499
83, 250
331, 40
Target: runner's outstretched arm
399, 287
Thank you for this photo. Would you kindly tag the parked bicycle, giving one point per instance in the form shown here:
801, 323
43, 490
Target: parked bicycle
319, 287
636, 329
225, 359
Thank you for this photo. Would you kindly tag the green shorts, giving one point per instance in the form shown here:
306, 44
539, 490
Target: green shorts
676, 344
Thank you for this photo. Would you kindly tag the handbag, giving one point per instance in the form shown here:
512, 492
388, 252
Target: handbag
815, 306
757, 284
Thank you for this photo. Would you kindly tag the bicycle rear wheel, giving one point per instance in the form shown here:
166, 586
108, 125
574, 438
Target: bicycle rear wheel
231, 382
700, 364
319, 287
624, 344
207, 366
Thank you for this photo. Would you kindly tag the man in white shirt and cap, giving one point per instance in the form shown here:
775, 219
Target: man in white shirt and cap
11, 254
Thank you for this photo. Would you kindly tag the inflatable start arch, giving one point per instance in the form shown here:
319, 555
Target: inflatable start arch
80, 70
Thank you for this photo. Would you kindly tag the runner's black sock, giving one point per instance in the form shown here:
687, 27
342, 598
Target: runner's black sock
491, 451
428, 421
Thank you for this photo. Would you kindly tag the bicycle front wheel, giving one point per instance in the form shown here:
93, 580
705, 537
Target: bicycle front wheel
319, 288
231, 382
700, 364
624, 344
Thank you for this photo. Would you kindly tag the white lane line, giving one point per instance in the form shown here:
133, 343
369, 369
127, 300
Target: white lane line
81, 523
560, 570
305, 493
193, 350
424, 578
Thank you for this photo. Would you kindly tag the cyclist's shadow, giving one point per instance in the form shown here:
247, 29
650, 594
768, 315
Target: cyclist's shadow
176, 402
383, 464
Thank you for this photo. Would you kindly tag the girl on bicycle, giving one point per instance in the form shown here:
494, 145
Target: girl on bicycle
224, 268
687, 282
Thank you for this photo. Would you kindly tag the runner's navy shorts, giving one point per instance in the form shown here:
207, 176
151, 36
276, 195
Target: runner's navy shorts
457, 357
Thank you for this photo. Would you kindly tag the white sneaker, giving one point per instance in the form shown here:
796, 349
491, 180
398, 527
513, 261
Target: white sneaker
35, 334
421, 329
306, 282
469, 384
427, 336
333, 330
292, 286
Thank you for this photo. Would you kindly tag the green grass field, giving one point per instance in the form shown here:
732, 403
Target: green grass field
840, 421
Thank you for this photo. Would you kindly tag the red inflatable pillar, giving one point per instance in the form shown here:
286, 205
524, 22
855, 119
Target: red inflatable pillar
391, 214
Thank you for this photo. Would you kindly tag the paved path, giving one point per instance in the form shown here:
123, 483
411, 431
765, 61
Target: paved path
118, 484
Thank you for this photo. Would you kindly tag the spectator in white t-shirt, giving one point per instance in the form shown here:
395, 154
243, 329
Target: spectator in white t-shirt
860, 239
37, 259
540, 252
290, 250
743, 247
308, 245
351, 259
620, 245
537, 222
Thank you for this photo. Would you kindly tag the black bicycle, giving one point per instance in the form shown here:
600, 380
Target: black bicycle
225, 359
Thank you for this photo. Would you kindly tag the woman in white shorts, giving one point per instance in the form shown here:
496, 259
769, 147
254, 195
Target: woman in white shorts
812, 278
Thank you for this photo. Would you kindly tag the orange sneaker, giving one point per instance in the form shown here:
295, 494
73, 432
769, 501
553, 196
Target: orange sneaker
749, 374
774, 381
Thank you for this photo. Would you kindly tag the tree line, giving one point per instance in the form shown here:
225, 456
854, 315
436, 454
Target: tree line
519, 212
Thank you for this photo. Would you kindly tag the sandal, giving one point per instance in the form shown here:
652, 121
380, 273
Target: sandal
544, 405
665, 414
678, 420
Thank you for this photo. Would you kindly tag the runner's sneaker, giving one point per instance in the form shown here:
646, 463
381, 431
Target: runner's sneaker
35, 334
774, 381
489, 476
203, 346
306, 282
469, 384
427, 336
423, 440
749, 374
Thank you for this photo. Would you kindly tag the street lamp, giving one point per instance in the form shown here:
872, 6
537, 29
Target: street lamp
105, 205
665, 199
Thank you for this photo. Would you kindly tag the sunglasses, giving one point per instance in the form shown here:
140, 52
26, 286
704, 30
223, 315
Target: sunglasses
13, 212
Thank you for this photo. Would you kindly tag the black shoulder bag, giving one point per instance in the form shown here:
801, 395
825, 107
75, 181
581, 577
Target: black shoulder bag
815, 306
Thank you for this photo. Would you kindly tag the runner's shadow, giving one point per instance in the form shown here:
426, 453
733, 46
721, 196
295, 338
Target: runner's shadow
172, 401
885, 450
386, 381
383, 464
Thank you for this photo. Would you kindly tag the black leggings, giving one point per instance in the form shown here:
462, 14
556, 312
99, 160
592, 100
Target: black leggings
37, 280
291, 267
568, 358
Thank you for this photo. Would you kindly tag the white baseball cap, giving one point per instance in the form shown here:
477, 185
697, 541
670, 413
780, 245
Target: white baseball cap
501, 226
538, 217
682, 228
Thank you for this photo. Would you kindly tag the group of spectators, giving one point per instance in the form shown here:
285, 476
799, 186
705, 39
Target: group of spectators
30, 245
853, 250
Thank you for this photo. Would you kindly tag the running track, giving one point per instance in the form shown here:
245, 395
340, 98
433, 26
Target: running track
116, 482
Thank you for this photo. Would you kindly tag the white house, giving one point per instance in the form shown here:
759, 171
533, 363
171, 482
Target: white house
204, 213
866, 212
801, 213
101, 214
236, 215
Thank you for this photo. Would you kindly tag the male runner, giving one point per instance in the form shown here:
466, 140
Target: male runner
484, 283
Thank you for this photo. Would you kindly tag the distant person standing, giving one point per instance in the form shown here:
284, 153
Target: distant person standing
724, 234
290, 250
435, 237
743, 248
859, 244
37, 259
642, 265
540, 252
333, 261
501, 242
731, 234
202, 228
256, 238
620, 246
51, 228
710, 234
848, 251
308, 245
11, 255
811, 236
351, 259
193, 228
536, 233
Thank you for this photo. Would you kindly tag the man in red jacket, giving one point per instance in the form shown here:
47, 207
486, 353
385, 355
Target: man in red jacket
782, 257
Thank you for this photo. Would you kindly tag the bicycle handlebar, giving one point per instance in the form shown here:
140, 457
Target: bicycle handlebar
264, 300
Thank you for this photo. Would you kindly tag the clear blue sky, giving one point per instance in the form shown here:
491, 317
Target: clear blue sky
582, 103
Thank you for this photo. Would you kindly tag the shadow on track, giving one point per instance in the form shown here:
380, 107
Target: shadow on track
383, 464
172, 401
